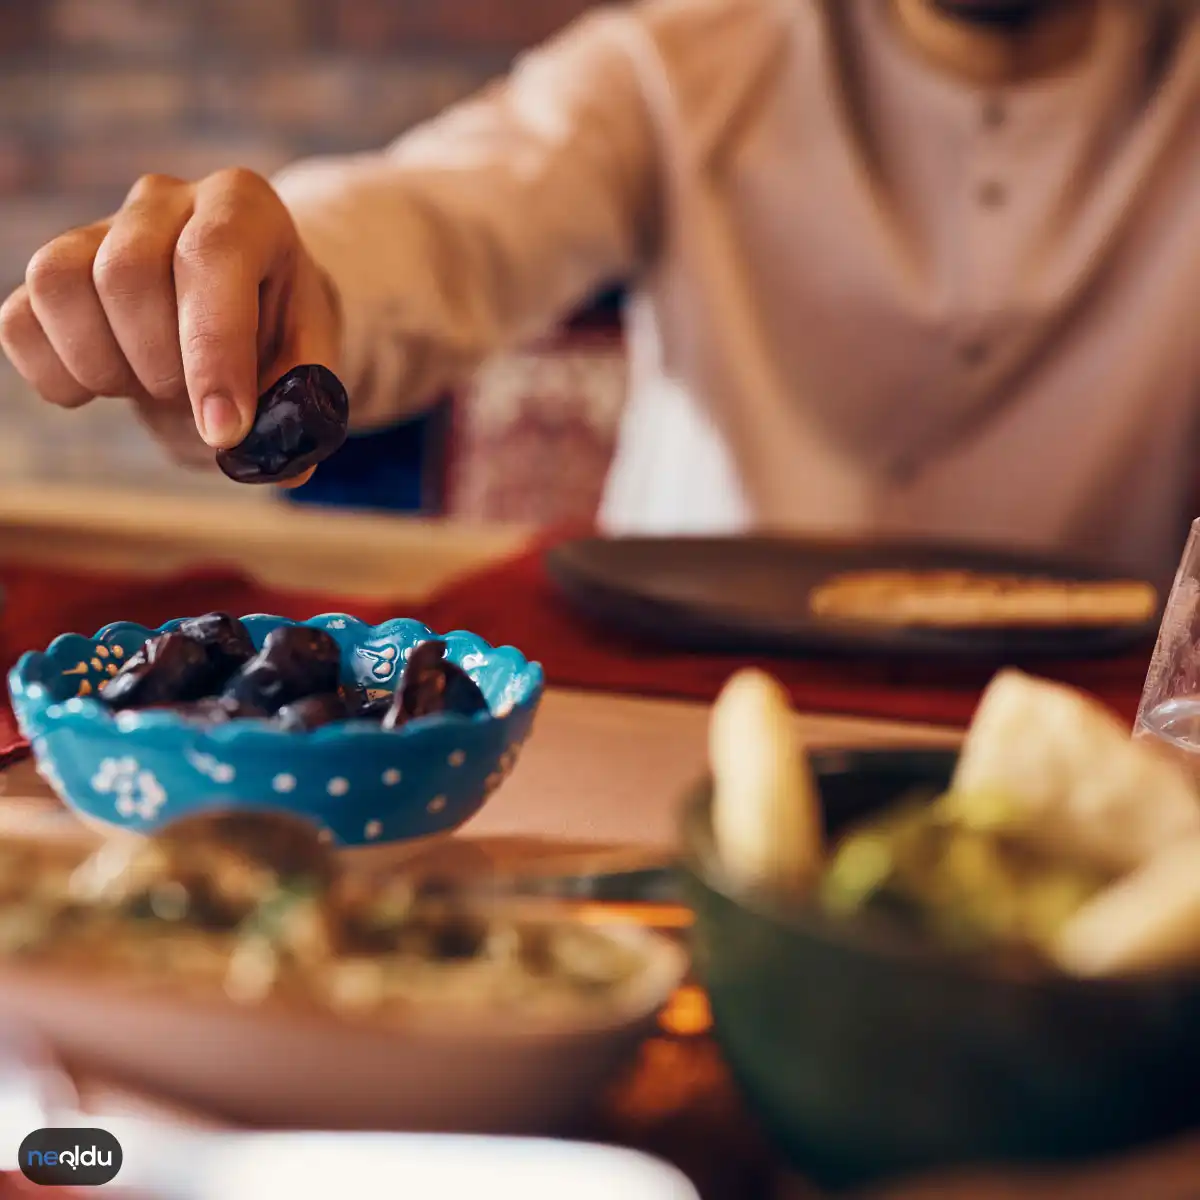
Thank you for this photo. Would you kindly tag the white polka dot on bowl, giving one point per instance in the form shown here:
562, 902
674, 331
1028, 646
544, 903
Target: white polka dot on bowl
284, 783
391, 777
74, 705
373, 830
436, 804
457, 758
338, 786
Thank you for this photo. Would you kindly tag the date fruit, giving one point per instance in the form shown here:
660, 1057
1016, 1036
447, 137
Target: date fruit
206, 671
298, 648
431, 684
295, 661
170, 668
312, 712
372, 710
215, 710
301, 420
225, 639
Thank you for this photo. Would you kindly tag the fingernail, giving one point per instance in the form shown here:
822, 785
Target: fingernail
221, 421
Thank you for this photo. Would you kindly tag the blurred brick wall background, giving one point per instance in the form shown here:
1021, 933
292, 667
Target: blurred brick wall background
94, 93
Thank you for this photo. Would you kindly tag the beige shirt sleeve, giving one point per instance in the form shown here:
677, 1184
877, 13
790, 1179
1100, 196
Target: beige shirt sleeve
486, 225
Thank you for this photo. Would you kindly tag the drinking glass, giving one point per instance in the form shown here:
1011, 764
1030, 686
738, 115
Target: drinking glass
1170, 709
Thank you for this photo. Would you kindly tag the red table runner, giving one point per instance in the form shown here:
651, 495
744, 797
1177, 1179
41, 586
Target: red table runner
514, 602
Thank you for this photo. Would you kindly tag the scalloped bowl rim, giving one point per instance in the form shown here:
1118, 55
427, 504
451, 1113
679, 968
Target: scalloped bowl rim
29, 690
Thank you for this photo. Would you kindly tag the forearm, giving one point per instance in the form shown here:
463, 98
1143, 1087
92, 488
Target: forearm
484, 227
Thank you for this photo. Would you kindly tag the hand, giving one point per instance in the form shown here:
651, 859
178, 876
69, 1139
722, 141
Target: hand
191, 300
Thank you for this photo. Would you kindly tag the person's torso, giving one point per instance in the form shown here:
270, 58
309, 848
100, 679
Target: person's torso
889, 301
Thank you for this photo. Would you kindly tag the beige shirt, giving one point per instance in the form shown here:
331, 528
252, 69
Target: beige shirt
870, 297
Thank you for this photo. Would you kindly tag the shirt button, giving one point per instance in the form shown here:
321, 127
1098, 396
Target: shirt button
995, 113
992, 193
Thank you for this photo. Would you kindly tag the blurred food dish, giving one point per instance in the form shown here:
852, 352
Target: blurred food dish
340, 998
990, 957
795, 596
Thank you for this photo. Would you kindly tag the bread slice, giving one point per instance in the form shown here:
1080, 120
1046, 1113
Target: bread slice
1147, 921
970, 600
765, 813
1070, 778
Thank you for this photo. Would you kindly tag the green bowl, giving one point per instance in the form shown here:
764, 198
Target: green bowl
869, 1057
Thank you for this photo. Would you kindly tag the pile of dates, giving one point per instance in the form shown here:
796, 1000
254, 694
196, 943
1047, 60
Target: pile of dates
207, 670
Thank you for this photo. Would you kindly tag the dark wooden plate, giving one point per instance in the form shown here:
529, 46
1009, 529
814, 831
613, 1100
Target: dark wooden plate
750, 595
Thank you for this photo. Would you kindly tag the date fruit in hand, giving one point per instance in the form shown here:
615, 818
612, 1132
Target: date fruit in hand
301, 420
431, 684
170, 668
295, 661
225, 639
312, 712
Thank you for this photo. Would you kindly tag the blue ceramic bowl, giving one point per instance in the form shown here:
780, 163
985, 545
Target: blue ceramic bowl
140, 770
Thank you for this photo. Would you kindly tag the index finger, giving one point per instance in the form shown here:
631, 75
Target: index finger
224, 255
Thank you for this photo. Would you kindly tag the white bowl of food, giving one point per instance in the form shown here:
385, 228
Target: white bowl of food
259, 982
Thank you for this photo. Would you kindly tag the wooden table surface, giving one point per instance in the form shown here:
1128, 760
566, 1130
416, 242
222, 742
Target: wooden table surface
601, 768
601, 771
285, 545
